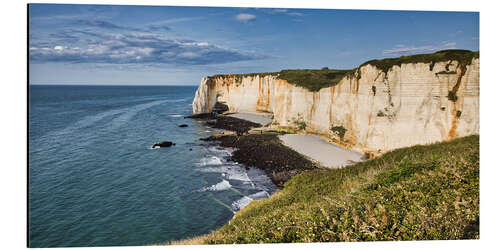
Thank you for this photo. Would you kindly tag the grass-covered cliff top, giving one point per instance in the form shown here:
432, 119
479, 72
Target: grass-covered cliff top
316, 79
462, 56
312, 79
416, 193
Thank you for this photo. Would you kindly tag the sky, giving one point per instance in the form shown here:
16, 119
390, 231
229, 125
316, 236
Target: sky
162, 45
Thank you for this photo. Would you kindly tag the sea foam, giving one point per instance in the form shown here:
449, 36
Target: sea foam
241, 203
223, 185
212, 160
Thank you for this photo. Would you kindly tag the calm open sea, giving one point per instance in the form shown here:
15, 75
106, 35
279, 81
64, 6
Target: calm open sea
95, 181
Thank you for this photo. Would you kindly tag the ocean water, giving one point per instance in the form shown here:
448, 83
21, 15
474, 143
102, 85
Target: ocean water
95, 181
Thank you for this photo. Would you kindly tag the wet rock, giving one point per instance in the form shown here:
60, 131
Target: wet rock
239, 126
164, 144
201, 116
183, 126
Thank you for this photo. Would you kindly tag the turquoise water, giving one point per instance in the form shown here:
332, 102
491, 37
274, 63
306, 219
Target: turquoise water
95, 181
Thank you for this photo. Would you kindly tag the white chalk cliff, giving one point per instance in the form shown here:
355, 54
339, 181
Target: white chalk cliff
408, 105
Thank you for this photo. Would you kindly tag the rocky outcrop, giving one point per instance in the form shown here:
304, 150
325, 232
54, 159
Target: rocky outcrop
163, 144
372, 111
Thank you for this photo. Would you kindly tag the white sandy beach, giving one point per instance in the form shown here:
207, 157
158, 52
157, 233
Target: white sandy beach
319, 149
260, 118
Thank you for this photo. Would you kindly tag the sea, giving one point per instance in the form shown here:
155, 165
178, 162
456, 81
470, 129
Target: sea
95, 180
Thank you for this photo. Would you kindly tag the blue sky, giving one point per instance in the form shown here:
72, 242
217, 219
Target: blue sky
160, 45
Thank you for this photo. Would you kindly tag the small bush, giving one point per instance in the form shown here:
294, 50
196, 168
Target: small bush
285, 131
299, 122
339, 130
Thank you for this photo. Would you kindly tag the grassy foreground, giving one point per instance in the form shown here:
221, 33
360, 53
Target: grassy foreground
416, 193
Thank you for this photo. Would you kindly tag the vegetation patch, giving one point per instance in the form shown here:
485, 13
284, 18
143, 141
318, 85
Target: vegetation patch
300, 122
314, 79
418, 193
462, 56
339, 130
283, 130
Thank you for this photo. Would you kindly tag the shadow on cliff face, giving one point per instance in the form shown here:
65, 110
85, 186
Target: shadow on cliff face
220, 108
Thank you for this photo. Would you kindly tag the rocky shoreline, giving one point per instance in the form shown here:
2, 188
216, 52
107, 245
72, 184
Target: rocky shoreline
262, 150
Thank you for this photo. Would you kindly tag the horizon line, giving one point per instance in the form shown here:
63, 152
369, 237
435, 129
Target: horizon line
106, 84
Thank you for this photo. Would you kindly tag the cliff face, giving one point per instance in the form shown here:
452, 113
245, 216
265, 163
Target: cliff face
375, 111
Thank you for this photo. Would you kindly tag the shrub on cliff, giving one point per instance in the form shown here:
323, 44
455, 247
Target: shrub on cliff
417, 193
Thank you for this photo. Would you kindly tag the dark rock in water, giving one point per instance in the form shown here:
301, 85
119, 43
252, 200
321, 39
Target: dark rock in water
190, 149
164, 144
183, 126
201, 116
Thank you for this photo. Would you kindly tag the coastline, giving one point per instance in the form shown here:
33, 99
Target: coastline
270, 150
320, 204
338, 205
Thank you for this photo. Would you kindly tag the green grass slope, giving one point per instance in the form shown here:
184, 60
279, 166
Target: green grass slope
416, 193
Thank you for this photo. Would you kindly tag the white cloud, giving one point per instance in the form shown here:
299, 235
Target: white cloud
286, 12
188, 54
135, 48
244, 17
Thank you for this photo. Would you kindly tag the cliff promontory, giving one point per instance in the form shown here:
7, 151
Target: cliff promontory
379, 106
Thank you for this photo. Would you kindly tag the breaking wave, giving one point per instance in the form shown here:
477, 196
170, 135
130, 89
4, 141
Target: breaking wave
223, 185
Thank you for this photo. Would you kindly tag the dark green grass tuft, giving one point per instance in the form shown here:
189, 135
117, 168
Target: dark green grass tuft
418, 193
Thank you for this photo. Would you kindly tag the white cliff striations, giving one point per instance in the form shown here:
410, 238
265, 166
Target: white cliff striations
408, 105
